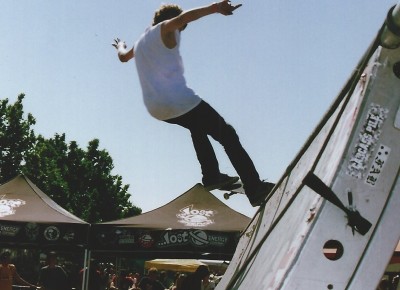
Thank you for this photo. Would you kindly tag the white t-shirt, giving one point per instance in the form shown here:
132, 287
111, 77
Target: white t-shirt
160, 69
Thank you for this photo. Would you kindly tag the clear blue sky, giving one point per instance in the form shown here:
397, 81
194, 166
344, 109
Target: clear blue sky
272, 70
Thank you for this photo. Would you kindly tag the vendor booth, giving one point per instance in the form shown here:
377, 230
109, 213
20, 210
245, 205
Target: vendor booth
29, 218
195, 225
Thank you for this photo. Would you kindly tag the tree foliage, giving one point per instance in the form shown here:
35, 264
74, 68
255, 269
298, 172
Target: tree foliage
79, 180
16, 137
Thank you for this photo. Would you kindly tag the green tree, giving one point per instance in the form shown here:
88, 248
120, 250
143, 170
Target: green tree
45, 164
16, 137
79, 180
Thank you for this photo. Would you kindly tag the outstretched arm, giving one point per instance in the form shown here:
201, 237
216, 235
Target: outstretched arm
224, 7
124, 54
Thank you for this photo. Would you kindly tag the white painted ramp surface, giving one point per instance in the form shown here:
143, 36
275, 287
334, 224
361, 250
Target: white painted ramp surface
355, 151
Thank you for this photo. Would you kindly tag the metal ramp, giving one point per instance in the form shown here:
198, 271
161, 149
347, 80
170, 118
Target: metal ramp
332, 219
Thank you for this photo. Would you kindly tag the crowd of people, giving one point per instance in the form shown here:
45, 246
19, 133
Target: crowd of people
201, 279
389, 284
52, 276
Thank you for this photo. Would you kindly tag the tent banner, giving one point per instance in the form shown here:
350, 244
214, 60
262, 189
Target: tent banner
38, 234
105, 237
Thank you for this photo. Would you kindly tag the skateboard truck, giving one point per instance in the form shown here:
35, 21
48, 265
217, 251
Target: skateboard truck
227, 195
231, 190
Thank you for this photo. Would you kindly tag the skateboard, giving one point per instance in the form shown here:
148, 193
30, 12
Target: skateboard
235, 188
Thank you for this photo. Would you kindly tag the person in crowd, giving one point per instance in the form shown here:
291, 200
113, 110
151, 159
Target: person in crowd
136, 279
111, 277
395, 282
383, 285
194, 281
165, 279
208, 283
151, 279
124, 281
95, 280
52, 276
178, 282
9, 274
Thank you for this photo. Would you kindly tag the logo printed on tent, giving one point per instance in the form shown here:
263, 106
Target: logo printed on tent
32, 231
51, 233
195, 217
8, 206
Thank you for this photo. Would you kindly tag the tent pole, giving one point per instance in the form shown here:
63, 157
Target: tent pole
86, 268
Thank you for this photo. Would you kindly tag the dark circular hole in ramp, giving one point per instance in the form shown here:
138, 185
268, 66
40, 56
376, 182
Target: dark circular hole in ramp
333, 250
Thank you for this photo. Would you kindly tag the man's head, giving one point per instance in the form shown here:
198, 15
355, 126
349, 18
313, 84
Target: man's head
166, 12
153, 273
202, 271
52, 258
5, 257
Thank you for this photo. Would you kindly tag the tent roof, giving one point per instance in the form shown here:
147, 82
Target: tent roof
22, 201
196, 208
177, 265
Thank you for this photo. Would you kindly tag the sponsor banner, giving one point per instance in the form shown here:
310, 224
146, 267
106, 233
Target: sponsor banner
43, 234
197, 238
139, 240
9, 230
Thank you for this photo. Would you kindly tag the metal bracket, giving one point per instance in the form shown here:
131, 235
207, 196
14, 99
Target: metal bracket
355, 220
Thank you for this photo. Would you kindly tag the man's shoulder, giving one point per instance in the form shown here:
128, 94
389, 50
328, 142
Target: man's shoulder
55, 268
150, 32
143, 280
10, 266
158, 285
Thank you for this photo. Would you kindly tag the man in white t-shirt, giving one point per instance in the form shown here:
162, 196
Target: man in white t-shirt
168, 98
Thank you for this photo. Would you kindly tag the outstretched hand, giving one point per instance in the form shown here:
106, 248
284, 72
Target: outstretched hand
124, 55
118, 43
226, 8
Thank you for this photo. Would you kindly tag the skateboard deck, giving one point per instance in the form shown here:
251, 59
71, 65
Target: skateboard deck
235, 188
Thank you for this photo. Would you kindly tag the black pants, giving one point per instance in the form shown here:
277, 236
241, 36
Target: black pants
202, 121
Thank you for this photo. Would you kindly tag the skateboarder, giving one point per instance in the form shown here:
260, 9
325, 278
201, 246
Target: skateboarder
168, 98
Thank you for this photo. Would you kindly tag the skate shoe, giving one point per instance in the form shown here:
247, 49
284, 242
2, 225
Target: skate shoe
221, 181
258, 194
